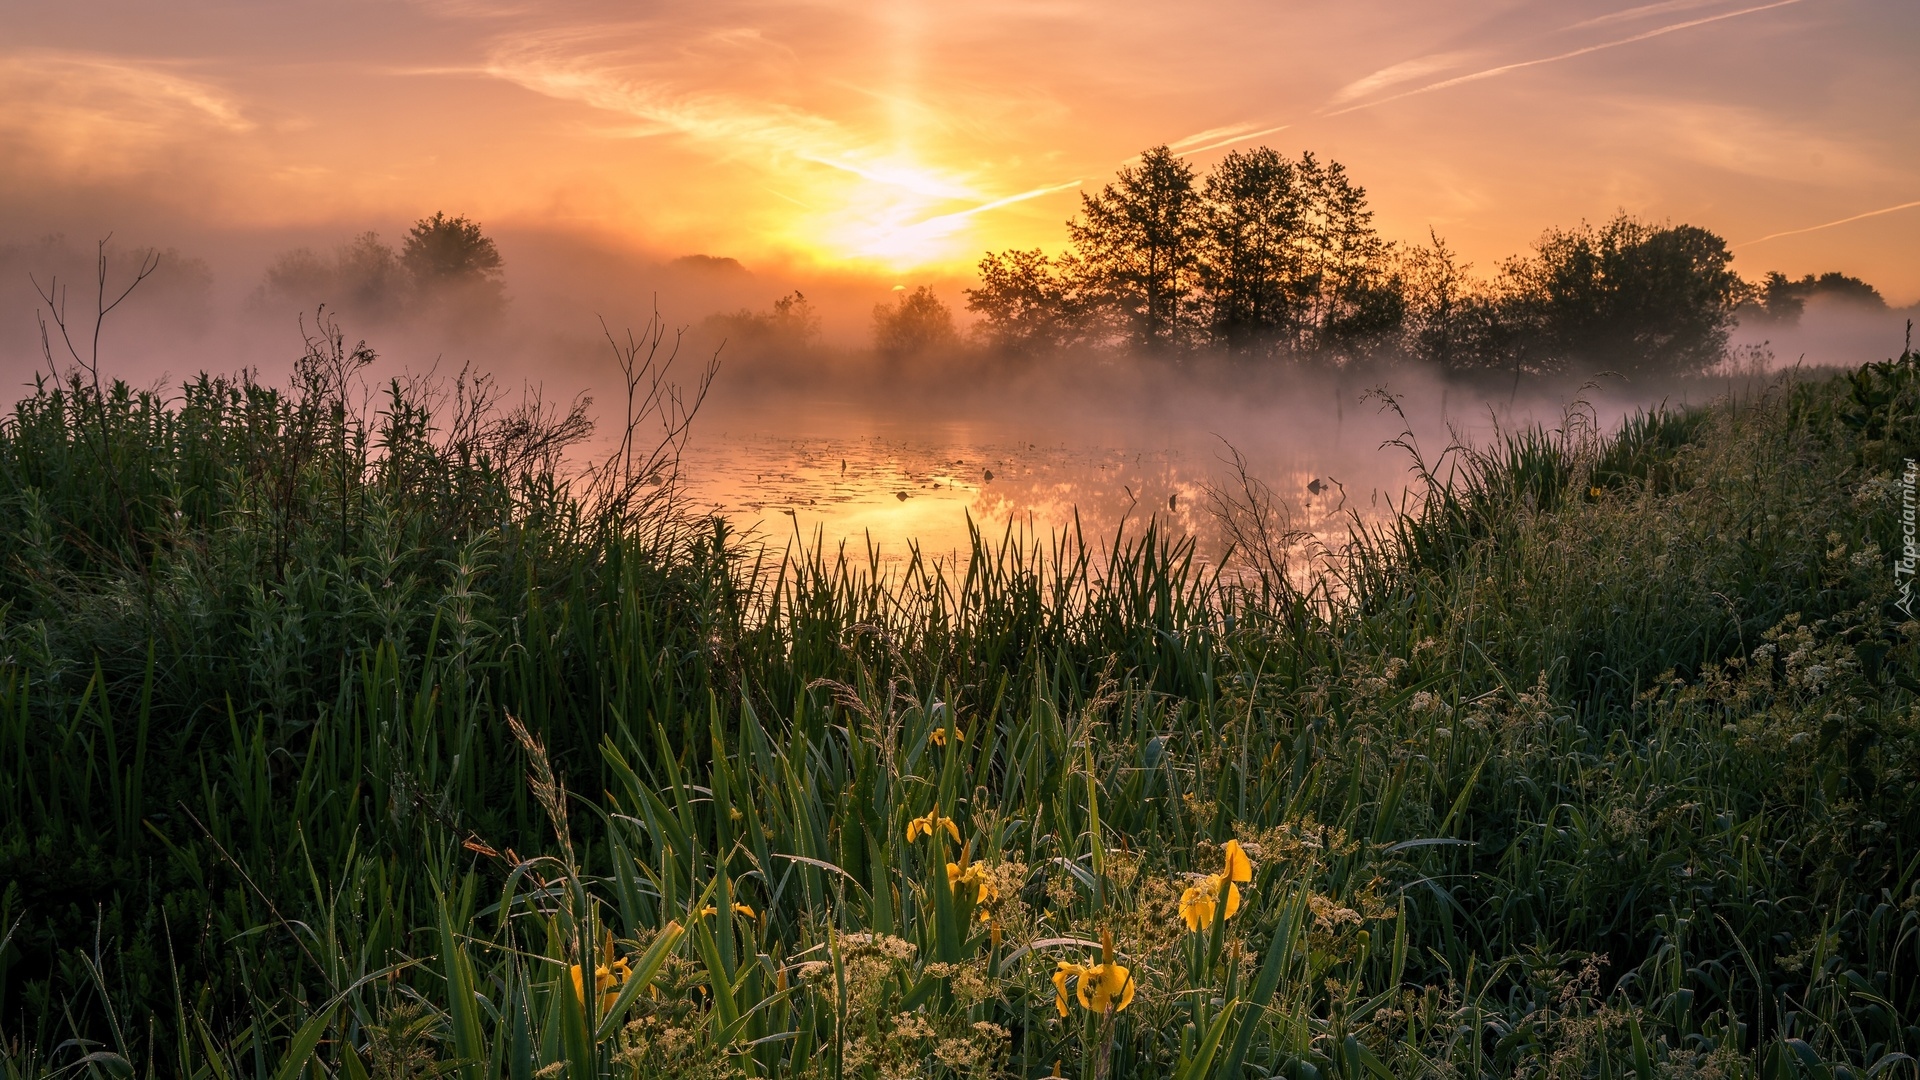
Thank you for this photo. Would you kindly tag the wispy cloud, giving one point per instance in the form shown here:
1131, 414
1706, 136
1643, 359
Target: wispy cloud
1216, 138
78, 114
128, 90
1829, 224
1503, 69
1666, 7
1406, 71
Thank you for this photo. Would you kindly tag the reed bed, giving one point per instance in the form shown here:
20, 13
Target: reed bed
353, 743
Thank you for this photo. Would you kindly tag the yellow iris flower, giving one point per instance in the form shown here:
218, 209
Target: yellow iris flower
1099, 987
925, 826
608, 976
971, 875
1196, 904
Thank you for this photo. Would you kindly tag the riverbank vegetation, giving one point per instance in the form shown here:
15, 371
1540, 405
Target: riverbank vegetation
353, 739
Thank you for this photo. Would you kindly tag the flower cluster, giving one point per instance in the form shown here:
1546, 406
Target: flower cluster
1197, 903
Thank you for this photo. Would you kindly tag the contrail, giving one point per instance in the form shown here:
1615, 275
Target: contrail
1215, 139
1582, 51
998, 203
1830, 224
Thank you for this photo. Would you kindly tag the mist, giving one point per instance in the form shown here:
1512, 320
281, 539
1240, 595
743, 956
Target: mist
807, 435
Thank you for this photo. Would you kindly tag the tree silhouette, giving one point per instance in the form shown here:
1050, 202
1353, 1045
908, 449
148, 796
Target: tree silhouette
1252, 258
1023, 303
1627, 295
917, 323
449, 251
1136, 249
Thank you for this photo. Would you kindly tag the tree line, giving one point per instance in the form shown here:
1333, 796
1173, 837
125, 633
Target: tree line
1277, 259
441, 260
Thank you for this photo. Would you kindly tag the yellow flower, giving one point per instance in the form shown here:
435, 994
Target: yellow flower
1061, 973
925, 826
745, 909
1239, 867
973, 876
1107, 985
938, 737
1196, 904
608, 976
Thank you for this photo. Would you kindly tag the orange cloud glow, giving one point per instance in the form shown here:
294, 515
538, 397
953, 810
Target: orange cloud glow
905, 138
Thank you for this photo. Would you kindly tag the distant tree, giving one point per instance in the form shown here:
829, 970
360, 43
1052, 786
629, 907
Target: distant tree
916, 323
1251, 249
363, 276
1348, 299
1451, 318
1627, 295
369, 275
1136, 250
1290, 261
791, 325
1781, 299
442, 251
1023, 302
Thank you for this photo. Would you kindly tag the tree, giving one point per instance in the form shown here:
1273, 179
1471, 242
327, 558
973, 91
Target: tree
790, 328
1136, 248
441, 251
1348, 301
1627, 295
364, 276
1781, 299
916, 323
1452, 319
1251, 255
1290, 262
1023, 303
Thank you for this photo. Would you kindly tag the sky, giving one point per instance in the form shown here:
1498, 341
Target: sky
902, 140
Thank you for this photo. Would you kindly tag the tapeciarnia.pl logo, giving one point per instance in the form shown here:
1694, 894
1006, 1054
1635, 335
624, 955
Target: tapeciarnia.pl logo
1903, 566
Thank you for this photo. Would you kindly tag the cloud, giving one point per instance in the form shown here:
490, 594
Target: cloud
1406, 71
104, 114
1665, 8
1494, 72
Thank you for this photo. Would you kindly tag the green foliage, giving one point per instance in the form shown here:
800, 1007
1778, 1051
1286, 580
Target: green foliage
1626, 295
1546, 782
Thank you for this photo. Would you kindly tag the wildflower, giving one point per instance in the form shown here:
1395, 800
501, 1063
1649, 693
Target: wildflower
938, 736
609, 975
745, 909
1103, 986
1196, 904
925, 826
974, 876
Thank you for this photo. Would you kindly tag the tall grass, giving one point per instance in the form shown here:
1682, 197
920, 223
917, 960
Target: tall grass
342, 741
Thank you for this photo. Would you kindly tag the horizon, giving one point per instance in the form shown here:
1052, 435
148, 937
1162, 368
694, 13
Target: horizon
900, 145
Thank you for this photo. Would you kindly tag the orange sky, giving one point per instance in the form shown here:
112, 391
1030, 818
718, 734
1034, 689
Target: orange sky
906, 138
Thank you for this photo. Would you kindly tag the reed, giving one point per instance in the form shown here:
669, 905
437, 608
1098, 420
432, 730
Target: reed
333, 744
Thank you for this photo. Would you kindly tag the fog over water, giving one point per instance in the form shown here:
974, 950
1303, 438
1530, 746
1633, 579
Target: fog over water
819, 444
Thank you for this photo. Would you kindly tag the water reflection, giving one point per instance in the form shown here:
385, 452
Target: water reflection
840, 471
